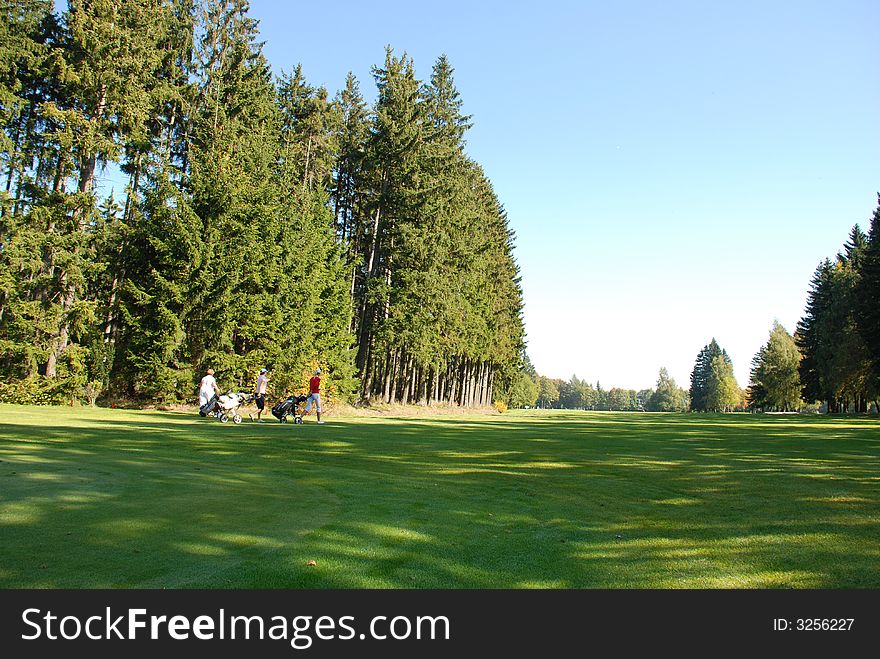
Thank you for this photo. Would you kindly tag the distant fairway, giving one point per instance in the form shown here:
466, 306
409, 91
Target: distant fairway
109, 498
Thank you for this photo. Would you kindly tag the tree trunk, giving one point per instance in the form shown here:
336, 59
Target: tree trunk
475, 384
450, 383
367, 373
407, 382
386, 386
133, 184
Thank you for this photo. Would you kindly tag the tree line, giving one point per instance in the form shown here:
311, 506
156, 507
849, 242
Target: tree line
263, 222
530, 389
832, 361
839, 334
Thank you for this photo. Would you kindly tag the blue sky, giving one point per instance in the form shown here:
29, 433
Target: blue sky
673, 170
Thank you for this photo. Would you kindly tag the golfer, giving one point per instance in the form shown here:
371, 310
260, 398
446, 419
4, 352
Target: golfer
260, 393
315, 394
207, 388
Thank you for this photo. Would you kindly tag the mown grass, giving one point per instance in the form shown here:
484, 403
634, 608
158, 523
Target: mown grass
111, 498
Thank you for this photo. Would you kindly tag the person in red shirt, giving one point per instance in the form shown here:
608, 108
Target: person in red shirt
315, 394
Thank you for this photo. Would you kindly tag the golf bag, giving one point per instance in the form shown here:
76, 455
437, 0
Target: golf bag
289, 407
209, 407
229, 405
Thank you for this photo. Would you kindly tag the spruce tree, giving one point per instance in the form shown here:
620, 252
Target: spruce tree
231, 158
392, 173
867, 302
109, 56
701, 376
348, 195
835, 364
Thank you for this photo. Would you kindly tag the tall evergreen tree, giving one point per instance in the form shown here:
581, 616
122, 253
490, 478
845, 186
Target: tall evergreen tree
867, 302
109, 56
231, 159
348, 194
393, 149
807, 335
835, 365
701, 376
23, 50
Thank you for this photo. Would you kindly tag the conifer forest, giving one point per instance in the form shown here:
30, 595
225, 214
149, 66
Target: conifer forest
262, 221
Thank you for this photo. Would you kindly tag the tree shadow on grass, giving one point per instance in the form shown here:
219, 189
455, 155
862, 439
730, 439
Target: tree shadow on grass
568, 501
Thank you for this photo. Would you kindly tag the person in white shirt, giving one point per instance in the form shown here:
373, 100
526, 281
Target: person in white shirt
260, 393
207, 388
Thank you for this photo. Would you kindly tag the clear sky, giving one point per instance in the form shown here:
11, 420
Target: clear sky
673, 170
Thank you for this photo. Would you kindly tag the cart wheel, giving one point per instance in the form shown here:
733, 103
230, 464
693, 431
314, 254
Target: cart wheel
236, 418
223, 418
299, 419
283, 419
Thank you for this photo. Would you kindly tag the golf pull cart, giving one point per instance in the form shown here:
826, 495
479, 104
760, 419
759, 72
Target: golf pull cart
290, 408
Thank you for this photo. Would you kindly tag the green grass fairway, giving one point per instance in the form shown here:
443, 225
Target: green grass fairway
109, 498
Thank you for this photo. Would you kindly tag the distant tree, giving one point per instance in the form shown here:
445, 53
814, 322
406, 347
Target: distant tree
600, 401
588, 394
722, 392
668, 396
548, 392
701, 377
571, 394
522, 388
523, 392
577, 394
775, 382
